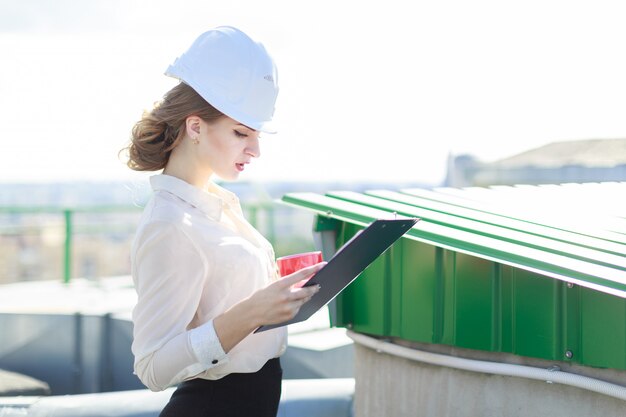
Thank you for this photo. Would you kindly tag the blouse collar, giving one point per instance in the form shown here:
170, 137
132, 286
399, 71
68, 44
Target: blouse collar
209, 201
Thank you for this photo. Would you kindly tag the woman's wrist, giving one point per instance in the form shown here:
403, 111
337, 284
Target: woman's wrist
235, 324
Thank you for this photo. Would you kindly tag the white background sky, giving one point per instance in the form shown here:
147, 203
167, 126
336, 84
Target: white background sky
370, 90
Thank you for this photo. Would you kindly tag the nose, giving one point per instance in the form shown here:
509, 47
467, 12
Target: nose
254, 148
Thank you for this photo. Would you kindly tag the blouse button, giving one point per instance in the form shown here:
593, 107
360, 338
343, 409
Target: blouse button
214, 361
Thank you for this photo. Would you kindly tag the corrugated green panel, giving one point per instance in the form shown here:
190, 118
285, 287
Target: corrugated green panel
536, 315
364, 303
506, 294
419, 296
369, 300
323, 223
448, 308
393, 259
603, 330
473, 302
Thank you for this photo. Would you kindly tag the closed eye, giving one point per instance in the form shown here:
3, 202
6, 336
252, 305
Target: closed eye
240, 134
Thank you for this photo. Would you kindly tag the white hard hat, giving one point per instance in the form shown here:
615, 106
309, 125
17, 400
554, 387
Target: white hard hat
235, 74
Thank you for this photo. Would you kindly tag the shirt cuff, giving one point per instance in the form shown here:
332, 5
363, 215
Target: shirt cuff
206, 346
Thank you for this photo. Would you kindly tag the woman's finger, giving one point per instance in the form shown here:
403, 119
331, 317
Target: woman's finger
297, 305
302, 274
305, 292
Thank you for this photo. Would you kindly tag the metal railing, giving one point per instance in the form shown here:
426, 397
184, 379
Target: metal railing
14, 223
67, 215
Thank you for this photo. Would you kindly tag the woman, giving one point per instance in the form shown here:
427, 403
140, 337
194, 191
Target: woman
205, 278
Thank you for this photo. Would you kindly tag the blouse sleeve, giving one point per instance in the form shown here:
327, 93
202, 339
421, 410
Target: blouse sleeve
169, 274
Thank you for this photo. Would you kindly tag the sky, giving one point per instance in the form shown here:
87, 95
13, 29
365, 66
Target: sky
369, 91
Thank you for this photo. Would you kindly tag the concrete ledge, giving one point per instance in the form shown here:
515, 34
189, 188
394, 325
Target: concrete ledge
388, 385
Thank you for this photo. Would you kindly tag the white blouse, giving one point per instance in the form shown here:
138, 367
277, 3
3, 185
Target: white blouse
194, 256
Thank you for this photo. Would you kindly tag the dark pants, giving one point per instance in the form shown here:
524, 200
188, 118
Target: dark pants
236, 395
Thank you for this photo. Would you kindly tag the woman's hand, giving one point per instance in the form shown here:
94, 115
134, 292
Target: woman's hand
280, 301
276, 303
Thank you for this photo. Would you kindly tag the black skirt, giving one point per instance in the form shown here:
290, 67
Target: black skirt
235, 395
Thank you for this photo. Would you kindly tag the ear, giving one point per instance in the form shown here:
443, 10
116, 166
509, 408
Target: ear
192, 126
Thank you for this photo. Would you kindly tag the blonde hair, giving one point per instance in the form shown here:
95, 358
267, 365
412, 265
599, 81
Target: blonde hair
160, 130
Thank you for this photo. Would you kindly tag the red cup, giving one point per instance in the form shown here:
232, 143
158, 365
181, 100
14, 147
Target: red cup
289, 264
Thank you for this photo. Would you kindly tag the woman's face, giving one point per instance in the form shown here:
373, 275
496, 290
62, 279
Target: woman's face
226, 146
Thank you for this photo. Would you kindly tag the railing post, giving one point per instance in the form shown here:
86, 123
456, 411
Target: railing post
67, 258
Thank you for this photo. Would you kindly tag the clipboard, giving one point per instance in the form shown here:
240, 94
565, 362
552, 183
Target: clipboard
347, 263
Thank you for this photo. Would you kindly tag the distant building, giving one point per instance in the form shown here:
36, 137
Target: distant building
594, 160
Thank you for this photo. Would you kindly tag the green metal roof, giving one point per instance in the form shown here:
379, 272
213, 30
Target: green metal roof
475, 271
571, 232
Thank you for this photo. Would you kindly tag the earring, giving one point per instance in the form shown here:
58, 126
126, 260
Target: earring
195, 140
